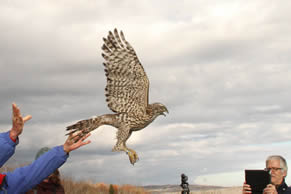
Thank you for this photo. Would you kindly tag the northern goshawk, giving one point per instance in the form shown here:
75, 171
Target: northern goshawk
127, 94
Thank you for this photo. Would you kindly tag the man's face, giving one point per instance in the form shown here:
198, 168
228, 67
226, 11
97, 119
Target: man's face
277, 175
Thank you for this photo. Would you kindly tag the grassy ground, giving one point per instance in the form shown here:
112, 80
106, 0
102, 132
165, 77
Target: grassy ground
233, 190
75, 187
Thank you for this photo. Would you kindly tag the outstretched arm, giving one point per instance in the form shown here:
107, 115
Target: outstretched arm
25, 178
9, 140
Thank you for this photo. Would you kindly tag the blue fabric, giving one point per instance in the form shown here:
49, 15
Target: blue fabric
7, 147
24, 178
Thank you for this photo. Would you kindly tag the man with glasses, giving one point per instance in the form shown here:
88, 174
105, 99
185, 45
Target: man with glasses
277, 166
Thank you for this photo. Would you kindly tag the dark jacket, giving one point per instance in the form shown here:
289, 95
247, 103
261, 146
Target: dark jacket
284, 189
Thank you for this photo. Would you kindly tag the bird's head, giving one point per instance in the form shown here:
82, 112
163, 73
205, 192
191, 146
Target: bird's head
160, 109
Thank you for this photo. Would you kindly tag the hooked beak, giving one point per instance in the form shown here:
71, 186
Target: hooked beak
165, 112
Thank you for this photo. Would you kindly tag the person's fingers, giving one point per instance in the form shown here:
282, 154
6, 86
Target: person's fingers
86, 142
75, 135
26, 118
246, 188
266, 191
16, 110
70, 140
85, 137
80, 144
72, 145
269, 189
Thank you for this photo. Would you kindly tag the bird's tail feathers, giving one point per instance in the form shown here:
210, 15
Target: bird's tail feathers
86, 126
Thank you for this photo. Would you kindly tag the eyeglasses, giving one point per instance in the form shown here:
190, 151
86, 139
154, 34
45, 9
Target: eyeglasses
273, 169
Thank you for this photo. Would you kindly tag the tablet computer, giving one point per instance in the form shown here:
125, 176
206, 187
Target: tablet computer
257, 179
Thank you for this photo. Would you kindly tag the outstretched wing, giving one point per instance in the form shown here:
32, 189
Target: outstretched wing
127, 83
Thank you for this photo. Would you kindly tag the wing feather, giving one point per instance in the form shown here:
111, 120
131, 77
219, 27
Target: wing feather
127, 83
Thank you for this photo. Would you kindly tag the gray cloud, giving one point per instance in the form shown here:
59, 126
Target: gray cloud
222, 69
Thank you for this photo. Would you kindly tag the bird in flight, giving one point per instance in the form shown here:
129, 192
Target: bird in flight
127, 95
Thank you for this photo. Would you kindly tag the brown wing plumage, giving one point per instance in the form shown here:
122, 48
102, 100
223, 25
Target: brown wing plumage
126, 93
127, 83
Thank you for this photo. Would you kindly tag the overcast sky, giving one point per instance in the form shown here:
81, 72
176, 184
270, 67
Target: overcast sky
222, 68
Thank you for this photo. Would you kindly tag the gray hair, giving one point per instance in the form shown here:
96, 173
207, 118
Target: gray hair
283, 163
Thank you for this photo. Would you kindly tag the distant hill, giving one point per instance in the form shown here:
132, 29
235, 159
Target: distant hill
156, 189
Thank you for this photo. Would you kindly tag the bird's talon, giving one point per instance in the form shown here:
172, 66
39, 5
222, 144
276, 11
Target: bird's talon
132, 155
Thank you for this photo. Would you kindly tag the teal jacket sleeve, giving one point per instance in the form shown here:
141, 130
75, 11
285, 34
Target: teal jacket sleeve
24, 178
7, 147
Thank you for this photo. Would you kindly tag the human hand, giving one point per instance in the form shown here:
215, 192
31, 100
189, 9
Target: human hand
270, 189
71, 145
246, 189
17, 122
